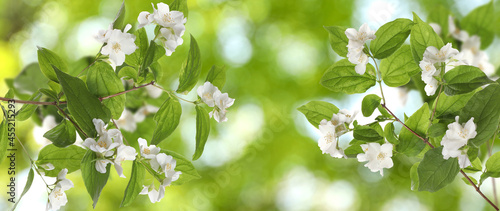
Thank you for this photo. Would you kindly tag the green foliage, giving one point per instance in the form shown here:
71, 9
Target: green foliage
202, 130
481, 22
137, 58
410, 144
390, 37
315, 111
439, 14
134, 186
369, 104
4, 141
191, 71
118, 22
354, 148
183, 165
29, 181
450, 106
102, 81
180, 5
338, 39
369, 133
484, 106
62, 135
492, 167
128, 73
153, 53
94, 181
341, 77
422, 36
47, 59
390, 135
82, 104
464, 79
398, 68
69, 158
167, 119
28, 109
438, 129
434, 172
217, 76
30, 79
414, 176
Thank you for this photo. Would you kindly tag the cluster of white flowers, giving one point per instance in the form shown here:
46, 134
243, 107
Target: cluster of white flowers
172, 23
213, 97
118, 44
161, 163
128, 120
456, 138
332, 129
57, 198
378, 156
356, 46
110, 143
432, 57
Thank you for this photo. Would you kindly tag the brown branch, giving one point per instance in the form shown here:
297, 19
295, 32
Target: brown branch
71, 120
478, 190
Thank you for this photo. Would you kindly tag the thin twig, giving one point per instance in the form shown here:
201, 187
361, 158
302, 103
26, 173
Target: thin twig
32, 162
379, 74
171, 94
435, 105
73, 122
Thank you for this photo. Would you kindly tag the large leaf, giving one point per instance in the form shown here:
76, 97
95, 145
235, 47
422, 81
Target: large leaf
94, 181
450, 106
410, 144
82, 104
167, 119
464, 79
102, 81
191, 71
484, 106
434, 172
28, 109
134, 186
422, 36
368, 133
202, 130
47, 59
338, 39
217, 76
398, 68
183, 165
390, 37
315, 111
62, 135
69, 158
481, 22
341, 77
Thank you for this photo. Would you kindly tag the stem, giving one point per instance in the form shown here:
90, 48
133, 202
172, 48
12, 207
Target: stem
126, 91
461, 171
379, 80
154, 175
171, 94
32, 162
73, 122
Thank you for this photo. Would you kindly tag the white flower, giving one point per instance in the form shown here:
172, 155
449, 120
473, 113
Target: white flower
428, 69
436, 28
123, 153
167, 164
456, 137
143, 111
455, 31
344, 116
434, 55
328, 142
463, 159
154, 195
118, 45
103, 35
66, 184
114, 134
364, 34
127, 121
103, 146
355, 46
221, 101
148, 152
171, 40
144, 19
378, 157
360, 59
206, 93
473, 55
166, 18
431, 87
100, 165
57, 198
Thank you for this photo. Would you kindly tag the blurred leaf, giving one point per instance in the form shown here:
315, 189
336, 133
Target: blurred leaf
398, 68
202, 130
30, 79
434, 172
27, 110
480, 21
190, 73
451, 105
369, 133
183, 165
102, 81
439, 14
46, 60
69, 158
94, 180
338, 39
414, 176
62, 135
4, 139
369, 104
410, 144
464, 79
118, 22
341, 77
422, 36
217, 76
389, 37
181, 6
315, 111
134, 186
167, 119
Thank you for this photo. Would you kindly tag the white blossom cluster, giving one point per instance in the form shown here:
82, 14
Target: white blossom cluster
161, 163
58, 198
109, 148
356, 45
446, 56
171, 22
333, 129
118, 44
213, 97
456, 138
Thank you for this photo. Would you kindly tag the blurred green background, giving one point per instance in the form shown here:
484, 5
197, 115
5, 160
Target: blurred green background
266, 156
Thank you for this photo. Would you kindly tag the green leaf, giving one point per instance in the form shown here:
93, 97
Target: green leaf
128, 73
217, 76
341, 77
464, 79
434, 172
62, 135
202, 130
30, 79
439, 14
398, 68
82, 104
451, 105
369, 133
102, 81
153, 53
94, 180
4, 141
467, 181
167, 119
46, 59
414, 176
484, 106
28, 109
134, 186
437, 130
29, 181
118, 22
390, 135
183, 165
354, 148
191, 71
422, 36
141, 41
69, 157
480, 21
315, 111
492, 167
338, 39
389, 37
475, 166
49, 93
410, 144
369, 104
181, 6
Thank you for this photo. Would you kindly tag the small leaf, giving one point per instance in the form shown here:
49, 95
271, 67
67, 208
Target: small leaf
69, 158
128, 73
315, 111
390, 135
167, 119
217, 76
369, 104
338, 39
4, 141
134, 186
354, 148
102, 81
94, 180
62, 135
202, 130
389, 37
467, 181
118, 22
341, 77
464, 79
49, 93
183, 165
434, 172
480, 21
28, 109
369, 133
422, 36
29, 181
154, 53
136, 58
398, 68
46, 60
191, 71
410, 144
